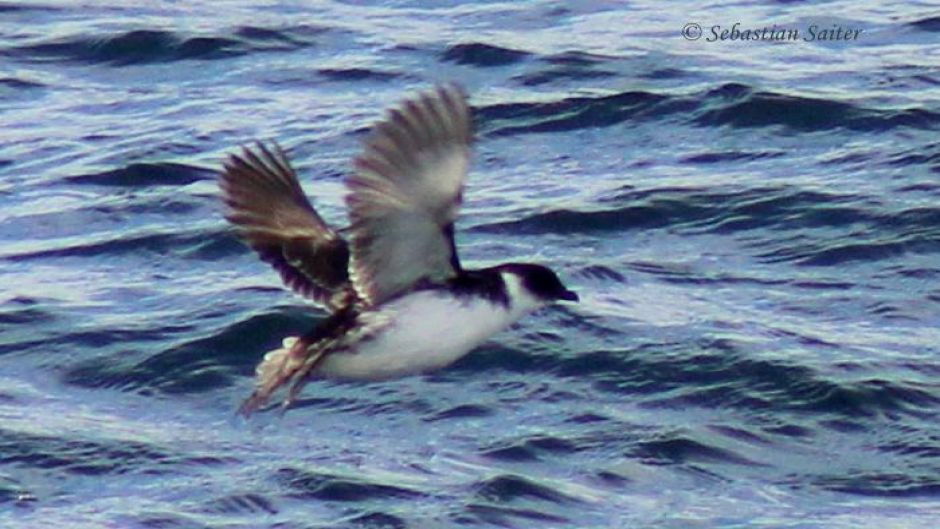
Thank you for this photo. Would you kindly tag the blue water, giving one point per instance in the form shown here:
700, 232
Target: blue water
753, 227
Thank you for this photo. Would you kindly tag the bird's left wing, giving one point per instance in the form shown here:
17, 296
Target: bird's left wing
405, 194
274, 217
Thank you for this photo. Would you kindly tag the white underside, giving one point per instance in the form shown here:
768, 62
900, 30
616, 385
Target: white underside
425, 331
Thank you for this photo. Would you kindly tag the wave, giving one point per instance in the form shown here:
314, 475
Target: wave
721, 376
192, 366
578, 58
682, 450
530, 448
24, 310
567, 114
716, 210
811, 215
482, 55
303, 483
91, 457
928, 155
910, 484
931, 24
19, 84
743, 107
146, 174
562, 73
733, 105
505, 488
9, 7
358, 74
148, 46
196, 244
570, 65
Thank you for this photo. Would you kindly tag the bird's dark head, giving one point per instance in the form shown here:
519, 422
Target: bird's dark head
539, 281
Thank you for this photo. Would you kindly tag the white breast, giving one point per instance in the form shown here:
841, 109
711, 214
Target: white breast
424, 331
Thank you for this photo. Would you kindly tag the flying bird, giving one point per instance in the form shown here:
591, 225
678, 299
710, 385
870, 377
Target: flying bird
399, 299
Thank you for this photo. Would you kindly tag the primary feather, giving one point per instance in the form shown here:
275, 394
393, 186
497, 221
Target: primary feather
273, 216
405, 194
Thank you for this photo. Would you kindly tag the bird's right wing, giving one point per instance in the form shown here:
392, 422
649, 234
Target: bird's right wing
405, 195
274, 217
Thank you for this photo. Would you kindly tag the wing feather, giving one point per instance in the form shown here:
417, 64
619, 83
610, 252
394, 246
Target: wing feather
405, 195
273, 216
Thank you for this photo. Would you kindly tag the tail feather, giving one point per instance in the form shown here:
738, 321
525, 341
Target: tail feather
277, 369
295, 360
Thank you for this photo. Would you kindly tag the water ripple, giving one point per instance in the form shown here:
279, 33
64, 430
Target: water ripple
482, 55
146, 46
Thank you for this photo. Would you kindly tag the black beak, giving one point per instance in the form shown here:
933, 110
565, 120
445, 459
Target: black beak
568, 295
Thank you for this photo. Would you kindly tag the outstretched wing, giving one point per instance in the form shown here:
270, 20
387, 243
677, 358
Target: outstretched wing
268, 206
405, 195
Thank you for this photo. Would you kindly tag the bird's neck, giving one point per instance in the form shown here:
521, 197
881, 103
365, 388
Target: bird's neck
521, 300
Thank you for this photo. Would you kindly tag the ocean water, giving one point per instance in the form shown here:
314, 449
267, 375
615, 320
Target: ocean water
753, 227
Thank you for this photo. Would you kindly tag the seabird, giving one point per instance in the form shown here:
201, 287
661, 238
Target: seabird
400, 301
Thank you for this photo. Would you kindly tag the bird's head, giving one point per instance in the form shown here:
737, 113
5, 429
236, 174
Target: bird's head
536, 282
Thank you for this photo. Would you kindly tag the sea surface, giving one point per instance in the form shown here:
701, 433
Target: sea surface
753, 227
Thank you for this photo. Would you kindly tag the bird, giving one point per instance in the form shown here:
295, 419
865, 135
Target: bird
399, 300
